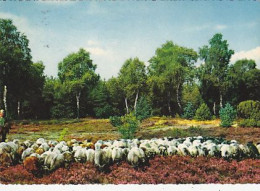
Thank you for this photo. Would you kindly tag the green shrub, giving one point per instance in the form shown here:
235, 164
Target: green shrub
143, 109
63, 134
249, 110
176, 133
188, 111
249, 123
129, 126
195, 130
227, 115
203, 113
115, 121
105, 111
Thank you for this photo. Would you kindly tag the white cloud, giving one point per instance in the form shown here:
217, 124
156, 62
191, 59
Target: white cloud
220, 27
253, 54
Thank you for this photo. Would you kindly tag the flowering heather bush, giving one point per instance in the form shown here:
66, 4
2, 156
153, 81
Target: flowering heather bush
165, 170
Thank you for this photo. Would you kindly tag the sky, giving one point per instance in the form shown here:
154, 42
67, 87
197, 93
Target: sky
113, 31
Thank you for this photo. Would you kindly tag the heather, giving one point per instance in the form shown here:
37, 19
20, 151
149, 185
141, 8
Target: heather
166, 170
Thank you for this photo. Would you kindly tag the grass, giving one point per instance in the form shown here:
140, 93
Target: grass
95, 129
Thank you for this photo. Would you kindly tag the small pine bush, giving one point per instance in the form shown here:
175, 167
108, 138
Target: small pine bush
227, 115
129, 126
189, 111
126, 125
203, 113
143, 109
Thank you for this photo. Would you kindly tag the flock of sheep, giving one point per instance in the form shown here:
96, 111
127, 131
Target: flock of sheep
50, 155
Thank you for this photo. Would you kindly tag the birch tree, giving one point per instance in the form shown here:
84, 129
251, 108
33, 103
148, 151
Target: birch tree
214, 70
78, 72
132, 79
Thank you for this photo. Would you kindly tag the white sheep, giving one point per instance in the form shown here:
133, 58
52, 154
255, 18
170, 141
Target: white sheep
183, 149
90, 154
258, 148
40, 141
117, 154
80, 155
101, 159
27, 152
53, 161
45, 146
193, 150
172, 150
136, 157
28, 143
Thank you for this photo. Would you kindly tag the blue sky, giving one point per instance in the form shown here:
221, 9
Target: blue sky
113, 31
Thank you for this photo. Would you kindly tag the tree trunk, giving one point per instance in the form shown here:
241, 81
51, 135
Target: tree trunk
1, 95
78, 98
178, 97
18, 109
5, 102
220, 99
169, 103
126, 106
136, 98
214, 108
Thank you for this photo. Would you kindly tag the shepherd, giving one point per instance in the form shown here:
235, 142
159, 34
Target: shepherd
4, 125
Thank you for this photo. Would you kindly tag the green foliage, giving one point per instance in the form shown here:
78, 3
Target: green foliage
191, 94
63, 133
213, 75
227, 115
127, 125
143, 109
189, 111
168, 70
249, 123
203, 113
115, 121
176, 133
249, 110
195, 130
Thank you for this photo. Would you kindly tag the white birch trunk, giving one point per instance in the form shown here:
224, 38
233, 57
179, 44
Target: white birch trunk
126, 106
136, 98
77, 99
5, 98
18, 109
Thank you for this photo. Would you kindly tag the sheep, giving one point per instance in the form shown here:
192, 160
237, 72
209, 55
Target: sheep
258, 147
90, 153
40, 141
52, 143
34, 146
193, 150
53, 161
136, 157
80, 155
45, 146
5, 148
39, 151
68, 158
6, 159
172, 150
101, 159
31, 164
213, 150
183, 149
28, 143
253, 150
27, 152
117, 154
